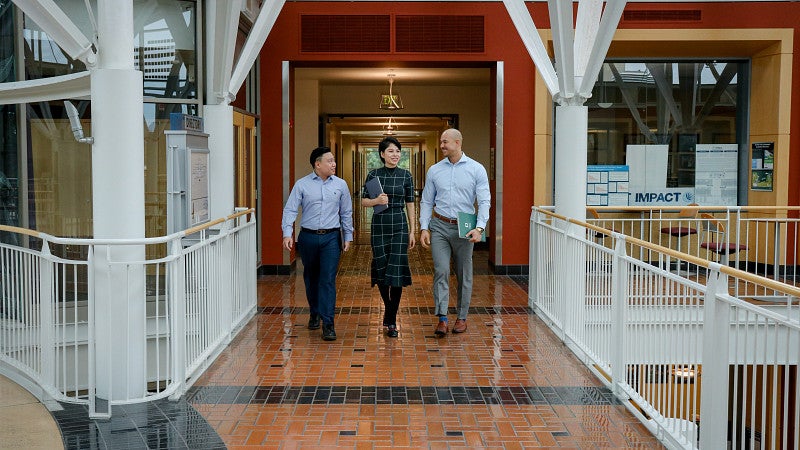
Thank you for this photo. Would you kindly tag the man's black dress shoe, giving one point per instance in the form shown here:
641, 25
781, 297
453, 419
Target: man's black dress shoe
328, 334
313, 322
392, 331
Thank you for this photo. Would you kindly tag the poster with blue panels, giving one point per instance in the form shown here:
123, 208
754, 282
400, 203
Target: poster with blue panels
607, 185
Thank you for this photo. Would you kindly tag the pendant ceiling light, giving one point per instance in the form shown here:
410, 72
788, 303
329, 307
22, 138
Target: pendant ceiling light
391, 101
390, 127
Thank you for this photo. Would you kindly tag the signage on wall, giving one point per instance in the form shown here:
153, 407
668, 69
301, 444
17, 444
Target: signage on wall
715, 176
607, 185
763, 165
663, 197
185, 122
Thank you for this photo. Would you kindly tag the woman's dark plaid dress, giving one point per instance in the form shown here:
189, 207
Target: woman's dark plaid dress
390, 228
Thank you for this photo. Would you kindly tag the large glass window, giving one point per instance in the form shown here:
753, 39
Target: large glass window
164, 46
678, 104
58, 170
9, 162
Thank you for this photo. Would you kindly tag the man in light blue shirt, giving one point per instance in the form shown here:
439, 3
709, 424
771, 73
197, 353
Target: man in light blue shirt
453, 185
327, 214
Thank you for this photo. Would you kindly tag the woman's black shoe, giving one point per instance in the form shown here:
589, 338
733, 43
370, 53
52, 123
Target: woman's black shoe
392, 331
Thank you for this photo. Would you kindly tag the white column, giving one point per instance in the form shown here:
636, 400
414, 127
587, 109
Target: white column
118, 204
572, 124
218, 123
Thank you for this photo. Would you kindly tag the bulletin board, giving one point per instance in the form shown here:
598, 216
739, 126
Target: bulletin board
763, 166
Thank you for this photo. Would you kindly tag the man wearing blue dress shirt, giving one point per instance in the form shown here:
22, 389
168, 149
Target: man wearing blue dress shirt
453, 185
327, 212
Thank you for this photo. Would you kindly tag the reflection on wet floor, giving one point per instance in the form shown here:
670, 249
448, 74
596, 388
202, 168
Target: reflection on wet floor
507, 382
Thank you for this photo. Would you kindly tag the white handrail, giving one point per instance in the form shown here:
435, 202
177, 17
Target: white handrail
195, 298
654, 323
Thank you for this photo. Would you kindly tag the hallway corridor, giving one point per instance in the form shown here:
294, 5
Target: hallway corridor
505, 383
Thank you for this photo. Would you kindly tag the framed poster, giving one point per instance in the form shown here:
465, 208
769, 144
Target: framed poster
762, 166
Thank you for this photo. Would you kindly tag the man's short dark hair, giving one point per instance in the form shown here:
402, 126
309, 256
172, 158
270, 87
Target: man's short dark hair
317, 154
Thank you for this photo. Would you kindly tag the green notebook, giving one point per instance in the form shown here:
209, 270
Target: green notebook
466, 223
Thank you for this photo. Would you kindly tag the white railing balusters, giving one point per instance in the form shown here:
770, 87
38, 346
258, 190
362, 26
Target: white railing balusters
191, 303
680, 329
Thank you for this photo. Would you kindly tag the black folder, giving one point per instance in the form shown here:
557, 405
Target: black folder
375, 189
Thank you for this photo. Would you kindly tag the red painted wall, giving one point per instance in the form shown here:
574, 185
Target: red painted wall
502, 43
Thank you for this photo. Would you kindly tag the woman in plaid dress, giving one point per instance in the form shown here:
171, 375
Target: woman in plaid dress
392, 233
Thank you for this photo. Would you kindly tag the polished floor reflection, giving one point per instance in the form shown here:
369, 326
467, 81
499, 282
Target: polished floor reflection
507, 382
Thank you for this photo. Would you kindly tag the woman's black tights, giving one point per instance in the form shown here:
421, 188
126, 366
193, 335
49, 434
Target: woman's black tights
391, 301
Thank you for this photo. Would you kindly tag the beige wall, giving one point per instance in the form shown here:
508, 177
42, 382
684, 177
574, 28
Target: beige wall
306, 114
471, 103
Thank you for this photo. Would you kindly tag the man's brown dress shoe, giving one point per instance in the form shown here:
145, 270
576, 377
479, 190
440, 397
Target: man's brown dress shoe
441, 329
460, 326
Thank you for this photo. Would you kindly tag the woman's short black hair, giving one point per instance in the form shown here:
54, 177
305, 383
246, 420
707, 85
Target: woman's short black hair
385, 143
317, 154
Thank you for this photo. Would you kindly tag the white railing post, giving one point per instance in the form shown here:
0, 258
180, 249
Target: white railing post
561, 291
619, 306
177, 306
716, 331
46, 338
226, 296
533, 258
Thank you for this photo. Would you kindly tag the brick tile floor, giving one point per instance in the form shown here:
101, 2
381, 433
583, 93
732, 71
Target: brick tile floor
507, 382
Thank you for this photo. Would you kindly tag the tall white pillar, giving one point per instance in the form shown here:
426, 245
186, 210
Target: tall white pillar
118, 204
218, 123
572, 123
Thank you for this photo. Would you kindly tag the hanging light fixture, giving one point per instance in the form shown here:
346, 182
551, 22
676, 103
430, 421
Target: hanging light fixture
390, 127
391, 101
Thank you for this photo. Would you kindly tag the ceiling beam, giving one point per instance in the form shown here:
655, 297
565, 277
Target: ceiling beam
561, 24
533, 43
53, 21
222, 26
252, 46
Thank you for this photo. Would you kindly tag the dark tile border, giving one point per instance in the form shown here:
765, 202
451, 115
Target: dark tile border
509, 269
156, 424
402, 395
275, 269
420, 310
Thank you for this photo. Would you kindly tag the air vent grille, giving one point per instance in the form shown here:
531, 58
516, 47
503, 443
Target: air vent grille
662, 15
439, 34
344, 33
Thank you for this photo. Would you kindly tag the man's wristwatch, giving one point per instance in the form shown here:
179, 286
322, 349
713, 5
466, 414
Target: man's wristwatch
480, 230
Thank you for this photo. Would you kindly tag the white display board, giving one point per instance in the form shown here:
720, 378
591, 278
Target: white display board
716, 174
199, 186
648, 166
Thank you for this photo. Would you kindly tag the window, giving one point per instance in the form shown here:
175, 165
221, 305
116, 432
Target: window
678, 104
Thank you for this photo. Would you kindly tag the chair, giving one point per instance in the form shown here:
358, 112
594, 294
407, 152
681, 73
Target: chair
715, 240
596, 216
679, 231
